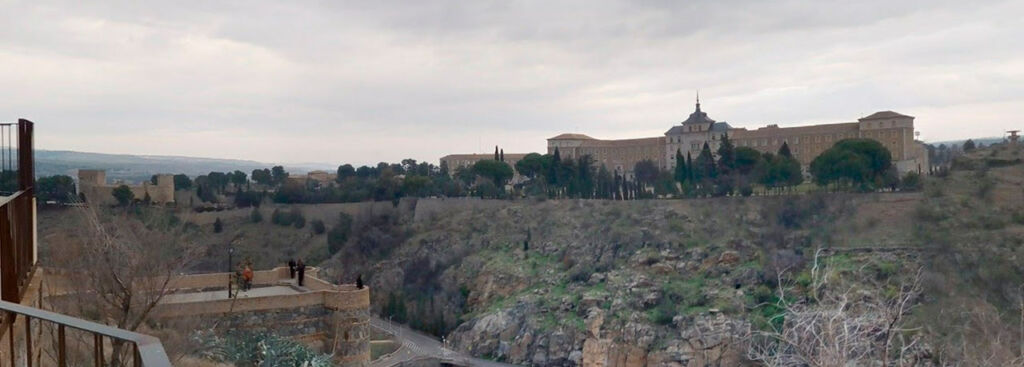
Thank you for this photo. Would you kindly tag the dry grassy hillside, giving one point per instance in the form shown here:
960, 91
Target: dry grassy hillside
662, 281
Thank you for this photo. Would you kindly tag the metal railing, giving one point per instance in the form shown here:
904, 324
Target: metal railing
17, 230
148, 351
17, 264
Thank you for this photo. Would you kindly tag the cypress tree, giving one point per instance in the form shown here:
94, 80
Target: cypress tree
784, 151
705, 163
726, 155
689, 167
680, 167
496, 157
502, 155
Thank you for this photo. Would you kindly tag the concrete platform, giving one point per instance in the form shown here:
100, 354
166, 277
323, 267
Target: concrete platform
277, 290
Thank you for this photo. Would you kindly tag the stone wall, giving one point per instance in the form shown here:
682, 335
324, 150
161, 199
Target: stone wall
335, 318
92, 184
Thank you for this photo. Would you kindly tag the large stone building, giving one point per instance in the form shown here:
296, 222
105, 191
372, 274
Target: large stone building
93, 185
894, 130
456, 161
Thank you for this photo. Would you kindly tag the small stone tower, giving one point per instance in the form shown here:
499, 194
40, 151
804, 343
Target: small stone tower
348, 325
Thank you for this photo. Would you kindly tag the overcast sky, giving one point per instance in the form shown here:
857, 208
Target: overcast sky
369, 81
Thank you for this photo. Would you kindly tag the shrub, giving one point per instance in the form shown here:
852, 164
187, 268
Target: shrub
261, 349
245, 199
318, 226
911, 182
985, 188
1018, 217
338, 235
662, 314
123, 194
218, 226
279, 218
292, 217
298, 220
256, 216
746, 190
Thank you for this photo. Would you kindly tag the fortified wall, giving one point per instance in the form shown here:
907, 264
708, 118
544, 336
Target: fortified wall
93, 185
333, 318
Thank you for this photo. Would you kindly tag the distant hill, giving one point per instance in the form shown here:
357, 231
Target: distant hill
136, 168
986, 141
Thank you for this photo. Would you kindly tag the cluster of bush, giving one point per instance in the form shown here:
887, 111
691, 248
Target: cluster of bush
292, 217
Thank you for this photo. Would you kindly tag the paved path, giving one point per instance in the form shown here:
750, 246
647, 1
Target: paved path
416, 345
276, 290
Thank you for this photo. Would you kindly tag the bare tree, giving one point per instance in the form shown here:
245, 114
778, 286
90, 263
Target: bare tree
118, 268
981, 336
837, 326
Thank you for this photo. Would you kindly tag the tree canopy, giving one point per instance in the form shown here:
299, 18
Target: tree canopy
497, 171
861, 162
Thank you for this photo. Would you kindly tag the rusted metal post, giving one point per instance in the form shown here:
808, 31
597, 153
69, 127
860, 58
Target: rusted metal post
62, 354
97, 350
8, 263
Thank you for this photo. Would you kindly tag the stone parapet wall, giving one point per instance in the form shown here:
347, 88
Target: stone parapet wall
334, 317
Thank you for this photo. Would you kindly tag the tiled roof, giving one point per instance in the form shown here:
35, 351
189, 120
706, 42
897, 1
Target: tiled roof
467, 157
622, 142
766, 132
698, 117
571, 136
679, 129
884, 115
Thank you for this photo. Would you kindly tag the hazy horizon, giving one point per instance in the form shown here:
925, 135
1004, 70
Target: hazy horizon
361, 83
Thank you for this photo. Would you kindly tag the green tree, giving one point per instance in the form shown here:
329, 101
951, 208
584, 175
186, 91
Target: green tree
262, 176
123, 194
531, 166
646, 172
680, 173
414, 185
726, 155
279, 175
497, 171
238, 178
553, 168
57, 188
705, 164
690, 169
784, 150
345, 171
182, 182
969, 145
747, 160
218, 181
862, 162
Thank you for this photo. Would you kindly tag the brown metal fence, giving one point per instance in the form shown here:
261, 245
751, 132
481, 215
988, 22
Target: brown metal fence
17, 232
18, 258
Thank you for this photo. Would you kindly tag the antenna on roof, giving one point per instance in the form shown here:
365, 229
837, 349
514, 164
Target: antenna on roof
698, 96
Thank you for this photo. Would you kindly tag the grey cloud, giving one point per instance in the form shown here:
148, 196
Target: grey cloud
423, 74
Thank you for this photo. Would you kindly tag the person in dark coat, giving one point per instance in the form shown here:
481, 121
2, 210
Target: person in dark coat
291, 268
359, 281
301, 268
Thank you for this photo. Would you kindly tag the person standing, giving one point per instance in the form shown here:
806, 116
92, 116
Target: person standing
247, 275
301, 268
291, 268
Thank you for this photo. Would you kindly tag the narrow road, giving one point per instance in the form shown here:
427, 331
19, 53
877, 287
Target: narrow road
417, 345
